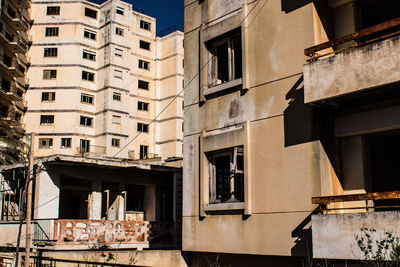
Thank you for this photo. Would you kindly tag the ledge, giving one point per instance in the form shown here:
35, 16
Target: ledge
222, 87
224, 206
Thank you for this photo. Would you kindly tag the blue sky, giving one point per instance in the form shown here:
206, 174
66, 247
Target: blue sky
167, 12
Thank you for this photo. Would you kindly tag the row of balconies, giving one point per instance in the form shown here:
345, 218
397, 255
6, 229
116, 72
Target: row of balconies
18, 20
13, 42
10, 66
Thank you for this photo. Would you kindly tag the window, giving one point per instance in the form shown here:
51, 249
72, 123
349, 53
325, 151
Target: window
66, 142
87, 99
88, 76
90, 13
118, 52
89, 55
143, 106
144, 64
86, 121
143, 85
115, 142
226, 59
226, 175
143, 154
89, 34
119, 31
141, 127
45, 143
118, 74
119, 11
50, 52
51, 31
145, 25
117, 96
46, 119
48, 96
84, 146
116, 119
49, 74
53, 11
144, 45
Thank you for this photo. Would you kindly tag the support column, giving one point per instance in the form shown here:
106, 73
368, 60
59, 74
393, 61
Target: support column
94, 201
150, 202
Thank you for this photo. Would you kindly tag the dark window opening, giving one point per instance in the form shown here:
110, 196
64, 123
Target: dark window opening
90, 13
53, 10
143, 85
144, 45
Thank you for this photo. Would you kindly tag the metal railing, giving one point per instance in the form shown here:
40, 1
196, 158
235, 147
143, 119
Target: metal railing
324, 201
91, 149
356, 36
43, 231
141, 156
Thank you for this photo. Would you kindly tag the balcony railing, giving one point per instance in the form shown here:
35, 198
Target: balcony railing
14, 18
91, 150
324, 201
142, 156
11, 66
314, 51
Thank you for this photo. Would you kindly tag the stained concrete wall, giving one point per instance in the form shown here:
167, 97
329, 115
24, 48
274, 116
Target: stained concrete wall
285, 165
353, 70
334, 235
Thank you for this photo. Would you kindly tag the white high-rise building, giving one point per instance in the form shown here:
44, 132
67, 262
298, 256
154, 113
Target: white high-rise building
99, 78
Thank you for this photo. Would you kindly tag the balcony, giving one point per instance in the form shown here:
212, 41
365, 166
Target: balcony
11, 92
342, 218
11, 67
143, 156
14, 18
368, 62
22, 4
91, 151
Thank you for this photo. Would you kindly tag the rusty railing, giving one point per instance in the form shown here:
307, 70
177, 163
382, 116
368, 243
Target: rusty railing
326, 200
313, 51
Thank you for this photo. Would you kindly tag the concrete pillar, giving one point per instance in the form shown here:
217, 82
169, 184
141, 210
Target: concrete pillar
47, 193
150, 197
94, 201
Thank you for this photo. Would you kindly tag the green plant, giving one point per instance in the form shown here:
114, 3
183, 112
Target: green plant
379, 251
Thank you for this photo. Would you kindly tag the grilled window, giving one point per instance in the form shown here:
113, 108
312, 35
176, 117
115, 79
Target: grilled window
47, 120
48, 96
51, 31
49, 74
50, 52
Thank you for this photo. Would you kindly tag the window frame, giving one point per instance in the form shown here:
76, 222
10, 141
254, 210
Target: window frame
88, 76
87, 96
45, 143
91, 35
85, 121
46, 120
119, 10
143, 82
237, 172
119, 50
68, 141
50, 76
143, 106
88, 11
48, 8
119, 31
116, 96
142, 127
50, 52
51, 31
144, 45
115, 119
118, 74
143, 64
115, 142
51, 97
143, 152
90, 55
145, 25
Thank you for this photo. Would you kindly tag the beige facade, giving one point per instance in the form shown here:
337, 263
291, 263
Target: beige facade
256, 151
14, 44
99, 79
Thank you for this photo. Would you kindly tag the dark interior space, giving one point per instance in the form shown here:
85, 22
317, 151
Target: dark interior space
74, 193
135, 197
383, 165
373, 12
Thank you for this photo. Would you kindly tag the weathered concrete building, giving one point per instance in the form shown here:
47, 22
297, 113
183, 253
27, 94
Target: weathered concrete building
292, 111
83, 207
99, 77
15, 23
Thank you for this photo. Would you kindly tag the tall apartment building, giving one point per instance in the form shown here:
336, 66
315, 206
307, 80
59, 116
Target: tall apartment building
291, 130
99, 78
14, 40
